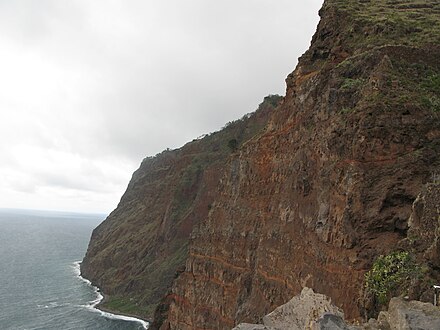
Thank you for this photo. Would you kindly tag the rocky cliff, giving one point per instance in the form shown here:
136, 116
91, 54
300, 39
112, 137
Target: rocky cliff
327, 186
330, 184
134, 255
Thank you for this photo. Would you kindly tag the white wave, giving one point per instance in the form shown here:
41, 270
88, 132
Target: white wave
77, 270
123, 317
91, 305
53, 304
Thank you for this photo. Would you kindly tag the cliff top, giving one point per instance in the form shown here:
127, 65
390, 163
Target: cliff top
396, 22
352, 27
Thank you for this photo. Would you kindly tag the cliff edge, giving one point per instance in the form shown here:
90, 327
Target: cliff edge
135, 254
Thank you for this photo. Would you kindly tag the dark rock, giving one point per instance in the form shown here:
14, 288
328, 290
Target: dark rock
332, 322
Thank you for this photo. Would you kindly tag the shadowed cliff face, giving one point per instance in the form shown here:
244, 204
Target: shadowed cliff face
134, 255
330, 184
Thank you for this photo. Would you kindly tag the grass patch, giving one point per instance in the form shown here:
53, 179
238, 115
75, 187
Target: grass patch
418, 84
123, 305
379, 22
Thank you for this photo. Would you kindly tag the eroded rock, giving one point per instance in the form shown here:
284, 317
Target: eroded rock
301, 312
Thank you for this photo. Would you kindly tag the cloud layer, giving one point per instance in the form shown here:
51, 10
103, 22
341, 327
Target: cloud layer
89, 88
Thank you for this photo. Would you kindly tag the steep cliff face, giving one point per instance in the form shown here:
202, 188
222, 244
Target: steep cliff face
133, 256
330, 184
220, 237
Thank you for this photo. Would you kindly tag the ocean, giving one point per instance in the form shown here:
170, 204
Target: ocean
40, 283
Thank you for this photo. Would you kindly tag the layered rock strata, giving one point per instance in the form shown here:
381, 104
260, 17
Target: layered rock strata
330, 184
135, 254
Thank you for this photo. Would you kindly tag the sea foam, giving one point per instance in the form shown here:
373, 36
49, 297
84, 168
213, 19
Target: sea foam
91, 305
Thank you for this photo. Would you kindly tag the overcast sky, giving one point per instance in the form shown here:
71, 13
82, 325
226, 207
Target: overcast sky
88, 88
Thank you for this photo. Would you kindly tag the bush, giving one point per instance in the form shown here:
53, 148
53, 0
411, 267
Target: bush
390, 274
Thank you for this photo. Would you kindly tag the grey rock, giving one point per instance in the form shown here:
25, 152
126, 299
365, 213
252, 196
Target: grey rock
248, 326
383, 322
413, 315
313, 311
301, 311
332, 322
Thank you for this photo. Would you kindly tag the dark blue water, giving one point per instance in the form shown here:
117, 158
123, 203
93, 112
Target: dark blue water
39, 283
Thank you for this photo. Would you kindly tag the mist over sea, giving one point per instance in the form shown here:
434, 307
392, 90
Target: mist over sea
39, 272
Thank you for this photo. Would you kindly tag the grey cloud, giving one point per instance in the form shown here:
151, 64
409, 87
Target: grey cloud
127, 79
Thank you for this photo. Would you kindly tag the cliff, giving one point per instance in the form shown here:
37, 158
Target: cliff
134, 255
330, 184
325, 188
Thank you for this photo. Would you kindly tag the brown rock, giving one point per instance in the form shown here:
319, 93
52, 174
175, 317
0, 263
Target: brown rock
324, 190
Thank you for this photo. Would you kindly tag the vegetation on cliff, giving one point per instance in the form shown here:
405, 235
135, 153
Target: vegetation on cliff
391, 274
389, 22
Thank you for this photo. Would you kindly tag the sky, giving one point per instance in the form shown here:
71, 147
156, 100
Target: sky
88, 88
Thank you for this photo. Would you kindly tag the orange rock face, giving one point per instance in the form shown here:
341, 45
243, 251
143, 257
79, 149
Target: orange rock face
327, 188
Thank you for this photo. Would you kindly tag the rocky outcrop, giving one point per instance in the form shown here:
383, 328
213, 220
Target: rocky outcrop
410, 315
312, 311
301, 312
424, 223
135, 254
311, 200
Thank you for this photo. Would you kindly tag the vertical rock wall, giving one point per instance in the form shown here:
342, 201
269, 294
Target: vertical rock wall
327, 188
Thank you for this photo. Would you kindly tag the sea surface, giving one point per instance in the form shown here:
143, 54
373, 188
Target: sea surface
40, 283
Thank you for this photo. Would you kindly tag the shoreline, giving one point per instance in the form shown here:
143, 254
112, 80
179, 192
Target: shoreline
96, 305
115, 312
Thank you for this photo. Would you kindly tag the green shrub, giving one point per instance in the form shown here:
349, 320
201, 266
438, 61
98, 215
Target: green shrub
390, 275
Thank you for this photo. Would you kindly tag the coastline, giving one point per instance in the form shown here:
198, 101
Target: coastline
96, 305
105, 309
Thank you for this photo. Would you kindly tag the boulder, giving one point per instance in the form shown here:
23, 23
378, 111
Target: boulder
412, 315
330, 321
301, 312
